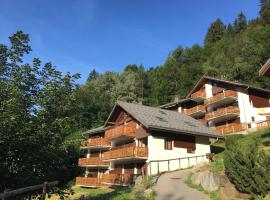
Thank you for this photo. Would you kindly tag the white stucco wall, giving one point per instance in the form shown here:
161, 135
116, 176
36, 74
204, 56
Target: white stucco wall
208, 90
156, 151
247, 111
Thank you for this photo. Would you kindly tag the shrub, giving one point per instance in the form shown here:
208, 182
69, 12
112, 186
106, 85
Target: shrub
246, 166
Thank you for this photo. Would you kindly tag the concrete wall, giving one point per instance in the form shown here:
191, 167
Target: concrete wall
208, 90
156, 151
247, 111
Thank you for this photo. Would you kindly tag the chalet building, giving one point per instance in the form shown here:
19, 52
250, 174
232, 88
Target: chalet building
265, 70
138, 139
227, 107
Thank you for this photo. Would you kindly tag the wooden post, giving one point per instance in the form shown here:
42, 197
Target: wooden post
168, 165
150, 169
43, 196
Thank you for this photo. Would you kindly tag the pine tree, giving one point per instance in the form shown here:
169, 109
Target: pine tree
240, 23
265, 11
92, 75
215, 32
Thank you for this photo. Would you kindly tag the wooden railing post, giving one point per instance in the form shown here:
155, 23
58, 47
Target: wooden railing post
168, 165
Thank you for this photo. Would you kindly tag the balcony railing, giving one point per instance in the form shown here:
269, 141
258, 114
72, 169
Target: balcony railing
95, 142
226, 94
229, 129
118, 179
126, 152
94, 161
127, 130
195, 110
199, 95
86, 181
263, 125
231, 110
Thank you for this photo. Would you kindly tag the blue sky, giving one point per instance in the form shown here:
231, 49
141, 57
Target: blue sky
79, 35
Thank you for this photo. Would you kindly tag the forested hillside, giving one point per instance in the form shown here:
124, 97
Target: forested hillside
43, 110
233, 51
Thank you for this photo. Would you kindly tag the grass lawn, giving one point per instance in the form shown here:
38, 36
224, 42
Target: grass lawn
120, 193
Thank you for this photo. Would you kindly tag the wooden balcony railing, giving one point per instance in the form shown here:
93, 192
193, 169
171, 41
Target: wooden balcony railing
196, 109
95, 161
95, 142
222, 111
220, 96
118, 179
121, 130
263, 125
229, 129
86, 181
198, 94
132, 152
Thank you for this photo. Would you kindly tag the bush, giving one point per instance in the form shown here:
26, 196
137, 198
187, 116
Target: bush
246, 166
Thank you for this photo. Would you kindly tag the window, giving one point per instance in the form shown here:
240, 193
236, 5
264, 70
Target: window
167, 144
143, 142
253, 119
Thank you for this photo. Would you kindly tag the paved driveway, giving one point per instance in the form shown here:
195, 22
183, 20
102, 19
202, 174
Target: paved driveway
171, 186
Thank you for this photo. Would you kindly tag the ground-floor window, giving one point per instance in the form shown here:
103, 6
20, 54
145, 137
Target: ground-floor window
168, 144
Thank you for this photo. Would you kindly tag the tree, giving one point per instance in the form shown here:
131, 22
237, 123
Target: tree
92, 75
240, 23
265, 11
37, 107
215, 32
246, 166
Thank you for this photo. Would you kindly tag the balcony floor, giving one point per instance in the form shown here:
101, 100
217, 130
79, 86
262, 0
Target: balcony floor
224, 117
95, 147
197, 114
222, 102
95, 166
127, 159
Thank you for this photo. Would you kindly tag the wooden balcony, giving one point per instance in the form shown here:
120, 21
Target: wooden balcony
121, 132
230, 129
223, 114
226, 97
263, 125
118, 179
126, 153
198, 96
95, 143
88, 182
96, 162
196, 111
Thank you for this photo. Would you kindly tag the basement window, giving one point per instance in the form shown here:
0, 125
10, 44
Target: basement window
167, 144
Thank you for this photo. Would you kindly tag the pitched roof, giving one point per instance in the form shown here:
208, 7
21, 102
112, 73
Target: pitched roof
94, 131
159, 119
265, 70
204, 79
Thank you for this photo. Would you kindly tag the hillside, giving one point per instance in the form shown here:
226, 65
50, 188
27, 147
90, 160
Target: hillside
234, 52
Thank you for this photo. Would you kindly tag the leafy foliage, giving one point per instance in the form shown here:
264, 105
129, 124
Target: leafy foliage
37, 105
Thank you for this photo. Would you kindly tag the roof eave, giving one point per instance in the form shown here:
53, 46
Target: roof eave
265, 68
156, 128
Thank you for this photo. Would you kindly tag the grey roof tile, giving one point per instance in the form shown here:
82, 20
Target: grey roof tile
157, 118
